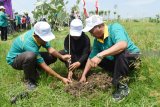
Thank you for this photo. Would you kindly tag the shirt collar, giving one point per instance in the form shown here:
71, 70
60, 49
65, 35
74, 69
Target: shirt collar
106, 34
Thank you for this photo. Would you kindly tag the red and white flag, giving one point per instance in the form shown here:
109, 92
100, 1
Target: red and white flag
84, 9
96, 7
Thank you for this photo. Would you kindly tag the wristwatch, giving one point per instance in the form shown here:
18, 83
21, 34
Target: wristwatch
99, 56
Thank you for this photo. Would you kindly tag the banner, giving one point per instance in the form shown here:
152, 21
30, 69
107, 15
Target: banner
8, 5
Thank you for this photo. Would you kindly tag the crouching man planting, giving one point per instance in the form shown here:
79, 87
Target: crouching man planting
24, 53
112, 50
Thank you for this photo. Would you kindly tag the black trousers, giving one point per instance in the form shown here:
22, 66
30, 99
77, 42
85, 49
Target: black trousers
18, 27
121, 66
3, 33
24, 26
26, 61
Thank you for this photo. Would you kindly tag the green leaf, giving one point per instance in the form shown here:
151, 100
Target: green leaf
39, 3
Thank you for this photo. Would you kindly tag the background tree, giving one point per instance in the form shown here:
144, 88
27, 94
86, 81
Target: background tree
76, 7
114, 15
105, 14
100, 12
118, 17
109, 14
91, 12
115, 11
54, 12
157, 18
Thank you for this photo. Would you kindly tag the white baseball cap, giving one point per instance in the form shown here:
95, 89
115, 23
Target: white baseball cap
43, 30
2, 7
76, 27
92, 22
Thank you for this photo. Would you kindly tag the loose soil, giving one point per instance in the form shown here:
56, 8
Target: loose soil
96, 81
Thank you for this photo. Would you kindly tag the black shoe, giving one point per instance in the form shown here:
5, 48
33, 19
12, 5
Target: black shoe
19, 96
121, 92
31, 85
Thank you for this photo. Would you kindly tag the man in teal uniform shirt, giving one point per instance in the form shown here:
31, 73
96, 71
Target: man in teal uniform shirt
18, 21
3, 23
112, 50
24, 53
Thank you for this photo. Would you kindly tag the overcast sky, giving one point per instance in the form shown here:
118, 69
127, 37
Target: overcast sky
126, 8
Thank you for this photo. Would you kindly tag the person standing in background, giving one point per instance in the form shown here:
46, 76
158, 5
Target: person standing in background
18, 22
3, 23
23, 22
28, 21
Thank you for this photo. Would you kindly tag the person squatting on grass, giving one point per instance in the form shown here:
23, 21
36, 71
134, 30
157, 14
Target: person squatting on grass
78, 43
24, 53
112, 50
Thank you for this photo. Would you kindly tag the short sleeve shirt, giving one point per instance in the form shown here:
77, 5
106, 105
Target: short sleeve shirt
116, 34
23, 43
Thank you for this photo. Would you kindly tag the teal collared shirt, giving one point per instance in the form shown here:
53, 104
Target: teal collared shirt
18, 19
23, 43
116, 34
3, 19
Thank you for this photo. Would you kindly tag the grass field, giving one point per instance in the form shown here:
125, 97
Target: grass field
144, 85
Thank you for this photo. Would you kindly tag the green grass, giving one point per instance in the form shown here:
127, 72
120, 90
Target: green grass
144, 85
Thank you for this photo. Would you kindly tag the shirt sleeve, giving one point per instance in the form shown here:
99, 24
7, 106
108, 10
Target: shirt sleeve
95, 49
47, 45
4, 16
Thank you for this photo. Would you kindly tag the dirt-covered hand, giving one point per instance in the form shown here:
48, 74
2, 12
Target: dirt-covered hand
66, 57
83, 79
95, 61
70, 73
74, 66
66, 81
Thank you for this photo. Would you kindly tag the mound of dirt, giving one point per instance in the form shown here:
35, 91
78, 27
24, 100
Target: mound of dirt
100, 81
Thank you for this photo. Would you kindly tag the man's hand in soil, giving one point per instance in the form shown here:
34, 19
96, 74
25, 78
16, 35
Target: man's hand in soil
83, 79
66, 81
74, 66
70, 73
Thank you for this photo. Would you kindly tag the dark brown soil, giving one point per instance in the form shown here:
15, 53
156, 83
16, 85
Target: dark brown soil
96, 81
